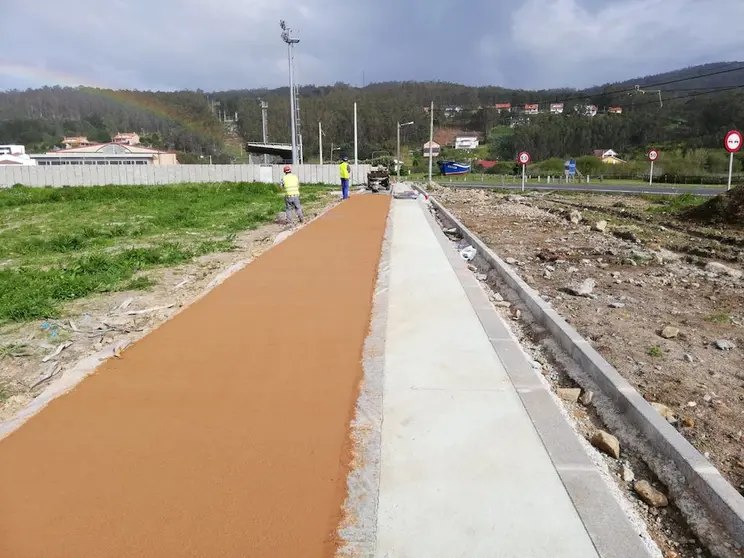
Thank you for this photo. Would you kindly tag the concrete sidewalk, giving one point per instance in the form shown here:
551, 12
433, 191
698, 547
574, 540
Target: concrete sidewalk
464, 472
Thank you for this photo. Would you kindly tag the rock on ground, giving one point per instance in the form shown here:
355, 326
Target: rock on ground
724, 345
670, 332
628, 474
569, 394
650, 495
600, 226
665, 412
584, 288
607, 443
716, 267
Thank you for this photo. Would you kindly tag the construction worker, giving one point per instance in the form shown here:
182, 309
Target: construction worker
291, 186
345, 172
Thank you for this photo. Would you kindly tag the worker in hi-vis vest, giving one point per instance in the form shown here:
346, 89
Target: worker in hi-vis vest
291, 186
345, 172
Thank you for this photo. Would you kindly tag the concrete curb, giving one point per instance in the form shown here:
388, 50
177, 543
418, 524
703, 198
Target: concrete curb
722, 503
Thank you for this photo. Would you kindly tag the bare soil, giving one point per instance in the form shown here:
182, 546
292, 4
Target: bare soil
650, 274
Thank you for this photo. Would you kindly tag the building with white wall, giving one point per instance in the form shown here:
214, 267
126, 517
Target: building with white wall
15, 155
107, 154
466, 142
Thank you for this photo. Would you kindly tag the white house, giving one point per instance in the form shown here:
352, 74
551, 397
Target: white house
127, 138
432, 149
15, 155
466, 142
556, 108
608, 156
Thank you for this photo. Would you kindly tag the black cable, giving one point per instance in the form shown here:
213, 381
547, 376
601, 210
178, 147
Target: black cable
612, 92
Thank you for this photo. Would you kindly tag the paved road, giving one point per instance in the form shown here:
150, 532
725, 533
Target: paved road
610, 188
224, 432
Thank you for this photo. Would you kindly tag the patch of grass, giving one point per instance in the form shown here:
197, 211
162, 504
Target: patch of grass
15, 350
719, 318
141, 283
68, 243
672, 204
654, 351
37, 293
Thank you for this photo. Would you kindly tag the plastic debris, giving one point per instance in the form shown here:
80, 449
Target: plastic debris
50, 329
468, 253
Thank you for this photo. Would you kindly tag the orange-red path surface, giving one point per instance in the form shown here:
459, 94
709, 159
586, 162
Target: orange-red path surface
224, 433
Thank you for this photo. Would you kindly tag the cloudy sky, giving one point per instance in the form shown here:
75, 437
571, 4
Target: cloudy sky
224, 44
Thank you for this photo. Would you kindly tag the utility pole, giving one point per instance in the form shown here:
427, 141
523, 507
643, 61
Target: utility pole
356, 151
265, 127
320, 141
397, 162
291, 41
431, 138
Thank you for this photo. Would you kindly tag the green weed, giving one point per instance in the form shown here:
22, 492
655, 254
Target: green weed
719, 318
672, 204
654, 351
15, 350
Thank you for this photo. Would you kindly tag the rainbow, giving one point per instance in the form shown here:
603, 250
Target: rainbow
43, 75
144, 100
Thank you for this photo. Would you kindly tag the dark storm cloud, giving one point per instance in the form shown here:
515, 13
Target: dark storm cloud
171, 44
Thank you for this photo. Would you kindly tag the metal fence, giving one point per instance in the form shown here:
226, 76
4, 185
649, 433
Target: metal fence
58, 176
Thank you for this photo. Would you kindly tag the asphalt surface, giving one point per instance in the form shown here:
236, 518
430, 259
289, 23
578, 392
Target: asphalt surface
607, 188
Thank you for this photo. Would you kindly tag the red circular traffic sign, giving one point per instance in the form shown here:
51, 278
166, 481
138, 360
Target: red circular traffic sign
653, 155
733, 141
524, 158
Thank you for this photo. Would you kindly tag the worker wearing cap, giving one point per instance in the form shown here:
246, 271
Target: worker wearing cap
345, 172
291, 186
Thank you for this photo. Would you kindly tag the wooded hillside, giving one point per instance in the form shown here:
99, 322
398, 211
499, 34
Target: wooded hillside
697, 105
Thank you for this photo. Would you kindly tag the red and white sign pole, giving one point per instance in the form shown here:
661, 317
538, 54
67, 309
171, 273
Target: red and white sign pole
732, 143
652, 156
523, 159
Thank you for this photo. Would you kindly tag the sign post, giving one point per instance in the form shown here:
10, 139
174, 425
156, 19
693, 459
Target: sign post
652, 156
523, 159
732, 143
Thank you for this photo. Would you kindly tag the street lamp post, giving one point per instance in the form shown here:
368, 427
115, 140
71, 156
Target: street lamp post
397, 163
291, 41
320, 141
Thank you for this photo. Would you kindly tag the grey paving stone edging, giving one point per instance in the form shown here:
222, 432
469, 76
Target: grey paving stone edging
721, 501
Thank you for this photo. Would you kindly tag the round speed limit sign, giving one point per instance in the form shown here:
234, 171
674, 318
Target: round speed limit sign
653, 155
523, 158
733, 141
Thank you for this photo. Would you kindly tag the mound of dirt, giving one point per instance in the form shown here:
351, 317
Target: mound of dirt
724, 209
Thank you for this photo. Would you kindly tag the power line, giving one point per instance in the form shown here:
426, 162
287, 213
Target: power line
605, 91
698, 94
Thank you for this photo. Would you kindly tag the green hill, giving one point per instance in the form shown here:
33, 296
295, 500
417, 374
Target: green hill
698, 104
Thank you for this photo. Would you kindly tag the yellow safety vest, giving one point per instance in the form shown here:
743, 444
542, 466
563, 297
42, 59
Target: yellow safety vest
291, 185
345, 169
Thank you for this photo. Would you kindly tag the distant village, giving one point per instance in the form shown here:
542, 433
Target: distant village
532, 109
